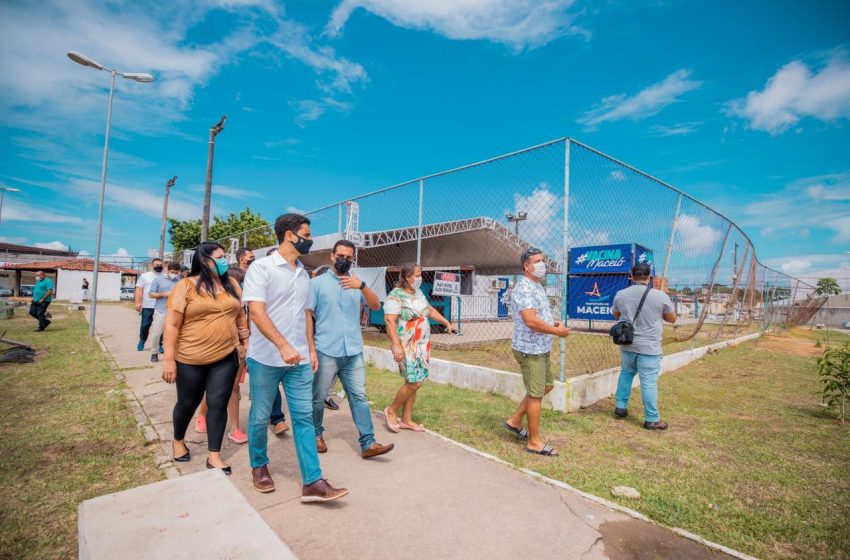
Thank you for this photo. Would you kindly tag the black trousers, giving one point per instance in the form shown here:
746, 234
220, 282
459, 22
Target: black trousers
216, 379
38, 310
147, 321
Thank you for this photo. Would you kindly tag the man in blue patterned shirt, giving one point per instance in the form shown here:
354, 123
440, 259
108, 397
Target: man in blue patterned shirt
532, 342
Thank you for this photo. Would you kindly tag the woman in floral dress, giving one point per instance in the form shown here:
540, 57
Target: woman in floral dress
407, 312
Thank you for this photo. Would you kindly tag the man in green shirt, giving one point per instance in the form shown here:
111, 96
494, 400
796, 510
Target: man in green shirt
42, 295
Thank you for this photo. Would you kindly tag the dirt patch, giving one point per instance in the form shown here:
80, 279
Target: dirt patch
788, 345
634, 540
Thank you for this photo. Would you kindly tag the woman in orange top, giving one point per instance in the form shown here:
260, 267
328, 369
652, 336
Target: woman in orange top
206, 336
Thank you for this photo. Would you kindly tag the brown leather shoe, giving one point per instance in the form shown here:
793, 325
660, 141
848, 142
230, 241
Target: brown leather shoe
262, 479
377, 449
660, 425
280, 428
321, 445
321, 491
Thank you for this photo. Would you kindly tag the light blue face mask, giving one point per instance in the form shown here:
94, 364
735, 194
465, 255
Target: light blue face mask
221, 265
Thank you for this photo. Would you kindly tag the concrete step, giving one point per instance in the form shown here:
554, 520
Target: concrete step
201, 515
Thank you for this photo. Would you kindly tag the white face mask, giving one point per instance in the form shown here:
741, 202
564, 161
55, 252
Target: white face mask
417, 282
539, 270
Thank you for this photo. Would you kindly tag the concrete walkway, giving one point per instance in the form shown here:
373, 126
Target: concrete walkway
429, 498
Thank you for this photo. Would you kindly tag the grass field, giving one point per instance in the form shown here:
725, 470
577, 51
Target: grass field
586, 353
751, 460
65, 437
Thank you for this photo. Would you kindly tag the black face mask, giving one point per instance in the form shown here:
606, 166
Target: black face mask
302, 245
342, 265
157, 268
248, 263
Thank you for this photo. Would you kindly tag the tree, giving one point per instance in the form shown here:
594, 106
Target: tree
248, 228
834, 372
827, 287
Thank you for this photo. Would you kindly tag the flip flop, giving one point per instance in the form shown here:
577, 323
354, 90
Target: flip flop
521, 432
547, 451
391, 427
415, 427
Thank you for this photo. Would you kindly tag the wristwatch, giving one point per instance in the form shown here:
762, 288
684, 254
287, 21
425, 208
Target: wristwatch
362, 284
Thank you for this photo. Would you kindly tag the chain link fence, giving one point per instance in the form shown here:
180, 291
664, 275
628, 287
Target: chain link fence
592, 216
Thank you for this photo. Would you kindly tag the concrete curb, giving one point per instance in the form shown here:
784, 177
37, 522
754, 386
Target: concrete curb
593, 498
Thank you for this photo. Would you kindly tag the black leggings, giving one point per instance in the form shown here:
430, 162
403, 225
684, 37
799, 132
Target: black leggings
216, 379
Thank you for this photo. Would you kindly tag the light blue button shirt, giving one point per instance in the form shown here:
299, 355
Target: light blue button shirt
337, 313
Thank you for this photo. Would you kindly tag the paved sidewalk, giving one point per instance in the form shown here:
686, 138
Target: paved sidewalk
427, 499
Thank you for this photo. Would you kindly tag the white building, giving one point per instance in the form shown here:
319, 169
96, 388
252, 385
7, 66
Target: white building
68, 276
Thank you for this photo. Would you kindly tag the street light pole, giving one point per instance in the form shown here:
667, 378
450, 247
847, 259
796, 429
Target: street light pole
168, 186
516, 219
137, 77
205, 222
3, 191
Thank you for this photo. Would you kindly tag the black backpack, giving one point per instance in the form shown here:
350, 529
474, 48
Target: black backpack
624, 331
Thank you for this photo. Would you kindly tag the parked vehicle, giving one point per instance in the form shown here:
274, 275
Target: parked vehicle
128, 293
26, 290
6, 292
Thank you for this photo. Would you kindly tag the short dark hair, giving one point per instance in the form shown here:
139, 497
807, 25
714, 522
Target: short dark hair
173, 265
641, 270
241, 252
236, 273
156, 259
344, 243
288, 222
527, 254
184, 268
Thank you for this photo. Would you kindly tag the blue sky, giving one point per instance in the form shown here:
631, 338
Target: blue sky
745, 106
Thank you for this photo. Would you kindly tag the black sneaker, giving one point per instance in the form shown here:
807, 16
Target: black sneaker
621, 412
154, 358
329, 403
660, 425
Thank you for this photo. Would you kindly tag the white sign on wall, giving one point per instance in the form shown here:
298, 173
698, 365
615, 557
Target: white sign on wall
446, 284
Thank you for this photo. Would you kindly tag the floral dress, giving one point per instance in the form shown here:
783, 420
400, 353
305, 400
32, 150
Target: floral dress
414, 332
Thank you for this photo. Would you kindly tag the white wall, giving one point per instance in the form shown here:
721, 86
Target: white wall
69, 285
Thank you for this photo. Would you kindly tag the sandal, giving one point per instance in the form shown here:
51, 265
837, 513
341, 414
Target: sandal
521, 432
391, 427
547, 450
413, 427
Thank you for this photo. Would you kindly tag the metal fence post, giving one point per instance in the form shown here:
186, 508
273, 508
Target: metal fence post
672, 234
565, 258
339, 218
419, 228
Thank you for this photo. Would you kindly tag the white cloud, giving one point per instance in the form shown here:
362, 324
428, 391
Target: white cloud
14, 239
84, 253
308, 110
768, 231
796, 91
519, 24
682, 129
139, 199
295, 210
14, 211
799, 264
617, 175
796, 266
805, 233
694, 238
283, 142
645, 103
55, 245
224, 190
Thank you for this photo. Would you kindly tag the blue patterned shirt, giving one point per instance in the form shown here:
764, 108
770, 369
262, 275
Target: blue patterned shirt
530, 295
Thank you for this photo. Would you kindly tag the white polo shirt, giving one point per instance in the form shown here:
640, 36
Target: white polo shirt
286, 293
144, 282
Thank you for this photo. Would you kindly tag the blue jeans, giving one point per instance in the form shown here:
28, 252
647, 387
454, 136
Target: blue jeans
646, 367
352, 374
298, 385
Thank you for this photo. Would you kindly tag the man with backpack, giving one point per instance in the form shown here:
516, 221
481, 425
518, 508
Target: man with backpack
645, 309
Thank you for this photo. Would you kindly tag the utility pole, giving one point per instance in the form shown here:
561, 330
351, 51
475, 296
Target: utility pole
168, 186
205, 222
516, 219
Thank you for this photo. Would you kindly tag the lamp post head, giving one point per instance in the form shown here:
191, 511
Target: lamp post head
9, 189
138, 77
80, 58
220, 126
171, 182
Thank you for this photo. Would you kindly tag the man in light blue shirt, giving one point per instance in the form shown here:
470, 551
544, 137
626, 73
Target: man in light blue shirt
339, 345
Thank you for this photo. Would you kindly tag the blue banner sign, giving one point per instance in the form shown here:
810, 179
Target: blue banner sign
590, 297
610, 259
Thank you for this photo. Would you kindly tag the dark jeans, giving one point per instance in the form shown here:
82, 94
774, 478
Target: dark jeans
147, 321
277, 410
38, 310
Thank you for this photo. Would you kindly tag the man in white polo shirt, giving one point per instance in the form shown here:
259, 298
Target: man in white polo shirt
280, 350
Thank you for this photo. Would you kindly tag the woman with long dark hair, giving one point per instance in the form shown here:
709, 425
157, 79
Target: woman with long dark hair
407, 313
206, 336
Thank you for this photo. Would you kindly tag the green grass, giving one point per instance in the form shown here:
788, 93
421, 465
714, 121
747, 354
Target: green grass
586, 353
751, 459
63, 438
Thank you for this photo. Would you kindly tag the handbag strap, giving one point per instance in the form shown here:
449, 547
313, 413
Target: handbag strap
642, 299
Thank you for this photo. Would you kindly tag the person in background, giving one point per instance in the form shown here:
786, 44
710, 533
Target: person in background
144, 304
206, 334
184, 271
244, 258
329, 401
531, 346
277, 291
643, 355
42, 295
160, 288
407, 314
85, 289
336, 298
